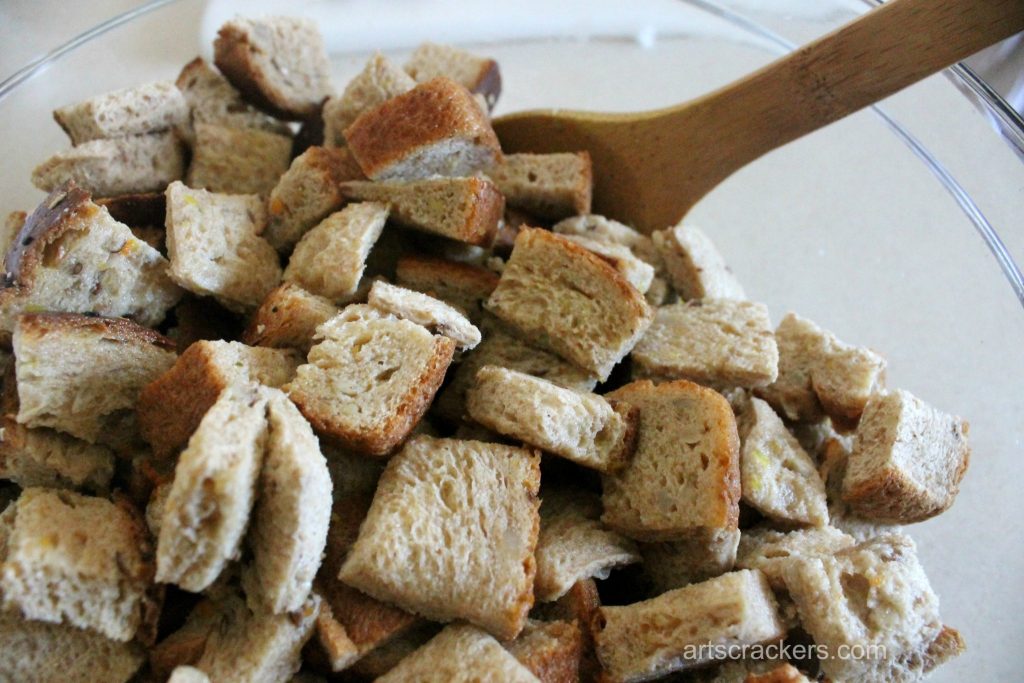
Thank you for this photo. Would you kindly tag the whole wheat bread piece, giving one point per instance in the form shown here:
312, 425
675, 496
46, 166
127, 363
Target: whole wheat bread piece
907, 460
237, 160
602, 229
288, 528
834, 458
278, 63
368, 382
549, 186
147, 108
717, 342
437, 128
107, 168
582, 427
700, 556
569, 300
477, 74
91, 390
464, 209
171, 407
306, 194
288, 318
212, 99
330, 259
78, 560
658, 636
873, 596
207, 510
105, 269
39, 652
684, 476
579, 606
573, 544
637, 272
771, 550
695, 267
425, 310
215, 248
462, 285
466, 552
379, 81
779, 479
550, 650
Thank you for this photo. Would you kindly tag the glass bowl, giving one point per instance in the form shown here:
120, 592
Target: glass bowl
895, 228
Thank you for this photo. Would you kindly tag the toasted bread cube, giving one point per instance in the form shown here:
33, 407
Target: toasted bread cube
648, 639
207, 510
570, 301
907, 461
437, 128
779, 479
718, 342
424, 310
694, 265
549, 186
148, 108
368, 383
550, 650
874, 597
674, 564
772, 551
462, 209
834, 457
288, 318
171, 407
77, 560
237, 160
379, 81
215, 249
476, 74
461, 653
329, 259
467, 553
107, 168
684, 475
288, 528
38, 651
462, 285
278, 63
91, 393
306, 194
582, 427
573, 545
213, 100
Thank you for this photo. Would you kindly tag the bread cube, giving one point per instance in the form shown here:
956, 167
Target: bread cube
771, 551
550, 650
424, 310
288, 318
700, 556
579, 606
478, 75
695, 267
379, 81
147, 108
462, 285
467, 552
213, 100
548, 186
237, 160
461, 653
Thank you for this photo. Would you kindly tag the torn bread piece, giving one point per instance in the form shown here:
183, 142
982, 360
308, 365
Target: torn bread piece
582, 427
288, 318
462, 285
288, 528
425, 310
658, 636
772, 551
907, 460
171, 407
147, 108
107, 168
479, 75
716, 342
330, 259
550, 650
700, 556
684, 476
306, 194
462, 209
695, 267
207, 509
77, 560
569, 300
437, 128
368, 382
215, 248
573, 545
91, 393
279, 64
237, 160
379, 81
778, 478
549, 186
212, 99
466, 494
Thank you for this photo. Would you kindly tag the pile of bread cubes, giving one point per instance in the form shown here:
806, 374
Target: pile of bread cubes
306, 386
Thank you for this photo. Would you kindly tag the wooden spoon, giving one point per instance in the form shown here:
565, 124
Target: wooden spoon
651, 167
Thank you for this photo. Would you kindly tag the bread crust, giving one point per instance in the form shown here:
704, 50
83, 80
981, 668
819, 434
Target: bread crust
117, 329
51, 219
